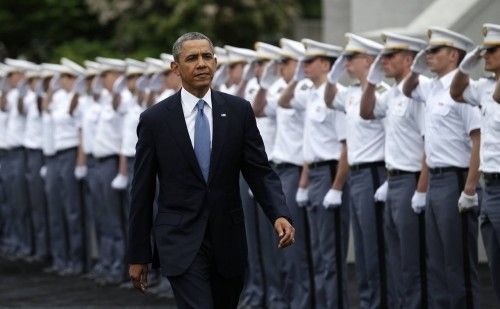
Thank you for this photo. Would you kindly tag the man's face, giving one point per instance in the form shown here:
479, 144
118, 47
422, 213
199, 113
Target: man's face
396, 63
196, 64
287, 68
67, 81
358, 64
440, 58
235, 72
15, 78
259, 68
108, 79
315, 67
492, 59
172, 81
132, 81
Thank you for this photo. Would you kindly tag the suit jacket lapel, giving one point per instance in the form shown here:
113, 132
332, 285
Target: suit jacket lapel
219, 116
177, 125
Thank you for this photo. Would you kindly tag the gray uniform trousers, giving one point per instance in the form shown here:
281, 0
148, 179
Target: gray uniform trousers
330, 237
490, 227
403, 238
264, 285
6, 226
39, 216
18, 201
112, 246
451, 243
65, 211
93, 214
367, 225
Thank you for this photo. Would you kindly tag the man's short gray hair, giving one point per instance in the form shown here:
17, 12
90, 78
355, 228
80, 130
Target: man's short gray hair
190, 36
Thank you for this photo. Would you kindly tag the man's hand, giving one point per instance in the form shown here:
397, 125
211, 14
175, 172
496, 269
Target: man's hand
376, 73
418, 202
419, 65
381, 193
337, 70
332, 199
139, 275
302, 197
471, 61
285, 231
467, 201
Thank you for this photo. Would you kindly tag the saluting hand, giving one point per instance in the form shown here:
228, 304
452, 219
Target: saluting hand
285, 231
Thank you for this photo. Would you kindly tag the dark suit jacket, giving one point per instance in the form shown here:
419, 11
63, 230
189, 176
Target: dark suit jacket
189, 207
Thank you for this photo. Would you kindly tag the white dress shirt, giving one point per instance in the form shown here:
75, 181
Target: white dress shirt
290, 127
3, 128
90, 112
480, 92
32, 135
66, 126
130, 123
229, 90
165, 94
447, 123
365, 138
404, 129
324, 128
16, 122
189, 109
48, 144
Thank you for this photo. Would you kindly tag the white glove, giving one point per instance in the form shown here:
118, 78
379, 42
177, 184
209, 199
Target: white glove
299, 71
156, 82
332, 199
418, 201
419, 65
467, 202
471, 61
39, 88
337, 70
249, 71
220, 77
250, 192
80, 86
119, 84
142, 83
96, 85
54, 83
376, 73
302, 197
270, 75
43, 171
4, 85
381, 193
120, 182
22, 88
80, 172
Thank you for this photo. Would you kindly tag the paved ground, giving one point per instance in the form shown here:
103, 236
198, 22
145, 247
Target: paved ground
25, 285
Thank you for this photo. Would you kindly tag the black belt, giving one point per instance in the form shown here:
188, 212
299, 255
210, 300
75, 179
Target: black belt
16, 148
358, 167
106, 158
64, 151
394, 173
285, 165
447, 169
491, 176
322, 163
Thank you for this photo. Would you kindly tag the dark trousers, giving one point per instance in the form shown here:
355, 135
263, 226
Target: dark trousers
202, 287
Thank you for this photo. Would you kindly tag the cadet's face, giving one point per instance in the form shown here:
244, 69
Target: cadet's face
32, 83
67, 81
395, 64
196, 65
287, 69
357, 65
315, 68
492, 59
259, 68
441, 59
15, 78
172, 81
108, 78
131, 82
235, 73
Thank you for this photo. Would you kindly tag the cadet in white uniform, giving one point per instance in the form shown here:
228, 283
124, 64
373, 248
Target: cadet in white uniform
480, 92
452, 137
234, 70
14, 167
5, 225
365, 153
404, 149
106, 148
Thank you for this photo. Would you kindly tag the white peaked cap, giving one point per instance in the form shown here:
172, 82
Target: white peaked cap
135, 67
156, 66
167, 58
358, 44
444, 37
20, 65
73, 66
92, 68
238, 54
315, 49
266, 51
491, 34
111, 64
292, 49
394, 41
57, 68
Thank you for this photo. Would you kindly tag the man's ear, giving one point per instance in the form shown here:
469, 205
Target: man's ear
174, 66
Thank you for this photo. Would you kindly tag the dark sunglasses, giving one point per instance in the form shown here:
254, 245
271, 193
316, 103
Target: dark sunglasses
353, 56
391, 54
434, 50
285, 60
491, 50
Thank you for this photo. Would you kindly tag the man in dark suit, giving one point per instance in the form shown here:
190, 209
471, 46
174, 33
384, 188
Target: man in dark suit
197, 142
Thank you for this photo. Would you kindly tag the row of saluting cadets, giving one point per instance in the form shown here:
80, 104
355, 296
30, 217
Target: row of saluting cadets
399, 163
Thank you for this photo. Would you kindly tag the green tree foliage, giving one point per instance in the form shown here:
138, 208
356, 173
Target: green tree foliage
45, 30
